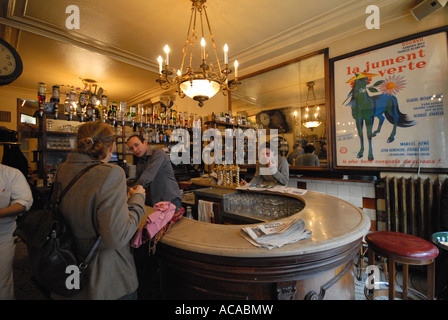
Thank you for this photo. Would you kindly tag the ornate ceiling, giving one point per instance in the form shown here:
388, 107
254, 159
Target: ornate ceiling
119, 41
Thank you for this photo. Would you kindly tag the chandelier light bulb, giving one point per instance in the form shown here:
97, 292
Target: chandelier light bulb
226, 54
167, 52
236, 68
160, 60
203, 48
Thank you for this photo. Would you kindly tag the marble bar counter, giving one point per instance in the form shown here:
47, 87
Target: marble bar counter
200, 260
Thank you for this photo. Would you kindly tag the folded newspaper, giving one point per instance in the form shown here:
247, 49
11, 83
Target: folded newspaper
276, 234
276, 188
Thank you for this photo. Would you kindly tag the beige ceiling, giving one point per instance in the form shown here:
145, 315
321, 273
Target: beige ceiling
119, 41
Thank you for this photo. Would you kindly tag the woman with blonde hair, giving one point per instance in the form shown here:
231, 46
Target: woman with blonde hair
97, 204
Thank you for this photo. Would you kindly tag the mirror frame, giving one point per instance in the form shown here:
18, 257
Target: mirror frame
328, 113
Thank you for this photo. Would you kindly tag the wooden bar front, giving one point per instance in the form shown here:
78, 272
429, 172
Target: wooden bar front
201, 260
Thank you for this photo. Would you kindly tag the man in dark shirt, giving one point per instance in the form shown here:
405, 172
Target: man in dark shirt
154, 170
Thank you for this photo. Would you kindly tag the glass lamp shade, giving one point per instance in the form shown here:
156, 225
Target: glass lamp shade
200, 87
312, 124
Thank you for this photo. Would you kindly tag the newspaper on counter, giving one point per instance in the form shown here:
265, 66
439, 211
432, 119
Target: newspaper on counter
276, 188
276, 234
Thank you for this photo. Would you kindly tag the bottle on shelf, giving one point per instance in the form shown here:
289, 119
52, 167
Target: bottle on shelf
189, 213
97, 114
72, 96
141, 114
41, 97
54, 100
185, 119
55, 95
80, 110
104, 101
67, 104
180, 119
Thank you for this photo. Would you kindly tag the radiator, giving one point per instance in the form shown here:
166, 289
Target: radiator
409, 205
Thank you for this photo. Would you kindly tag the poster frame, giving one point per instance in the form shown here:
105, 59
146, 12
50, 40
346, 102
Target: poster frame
334, 112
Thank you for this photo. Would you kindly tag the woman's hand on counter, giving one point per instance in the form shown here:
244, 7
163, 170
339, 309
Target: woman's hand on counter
138, 189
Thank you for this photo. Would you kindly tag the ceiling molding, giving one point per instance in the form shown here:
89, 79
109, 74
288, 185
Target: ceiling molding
312, 40
148, 96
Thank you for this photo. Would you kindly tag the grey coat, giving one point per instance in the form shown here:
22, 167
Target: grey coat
97, 204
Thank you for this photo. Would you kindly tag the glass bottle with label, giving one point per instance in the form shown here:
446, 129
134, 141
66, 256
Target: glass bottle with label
41, 93
41, 97
89, 111
67, 104
55, 95
104, 100
162, 116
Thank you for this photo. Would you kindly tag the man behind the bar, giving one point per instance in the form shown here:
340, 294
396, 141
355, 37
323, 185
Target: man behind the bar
154, 170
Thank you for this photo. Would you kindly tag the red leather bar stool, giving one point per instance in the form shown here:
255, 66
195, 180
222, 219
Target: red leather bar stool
406, 249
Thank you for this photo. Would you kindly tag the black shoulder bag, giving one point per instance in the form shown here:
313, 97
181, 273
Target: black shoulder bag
51, 245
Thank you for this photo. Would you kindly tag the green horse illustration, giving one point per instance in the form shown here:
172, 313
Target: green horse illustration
366, 108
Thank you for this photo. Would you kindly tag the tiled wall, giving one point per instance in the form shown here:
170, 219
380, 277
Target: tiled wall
360, 194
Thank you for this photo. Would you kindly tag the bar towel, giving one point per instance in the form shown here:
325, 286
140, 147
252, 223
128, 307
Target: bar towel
163, 214
205, 210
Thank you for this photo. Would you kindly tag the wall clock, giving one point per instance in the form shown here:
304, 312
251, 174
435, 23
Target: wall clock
264, 118
10, 63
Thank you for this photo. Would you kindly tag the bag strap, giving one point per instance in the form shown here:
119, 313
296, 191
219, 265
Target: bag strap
83, 265
79, 175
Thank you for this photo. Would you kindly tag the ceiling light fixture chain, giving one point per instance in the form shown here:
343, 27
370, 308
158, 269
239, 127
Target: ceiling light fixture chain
203, 83
309, 121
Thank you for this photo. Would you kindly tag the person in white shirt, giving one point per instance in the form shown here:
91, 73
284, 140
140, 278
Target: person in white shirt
15, 198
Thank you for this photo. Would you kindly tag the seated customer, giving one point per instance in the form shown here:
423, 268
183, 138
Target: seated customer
295, 153
308, 159
275, 170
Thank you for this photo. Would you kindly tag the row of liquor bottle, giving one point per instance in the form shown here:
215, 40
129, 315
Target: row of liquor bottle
94, 108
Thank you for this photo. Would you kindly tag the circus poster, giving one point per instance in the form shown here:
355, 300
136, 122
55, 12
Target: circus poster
390, 105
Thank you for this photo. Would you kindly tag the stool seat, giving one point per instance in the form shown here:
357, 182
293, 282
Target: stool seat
406, 249
402, 245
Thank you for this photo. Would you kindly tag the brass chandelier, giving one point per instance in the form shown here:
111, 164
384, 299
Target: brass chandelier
203, 83
311, 120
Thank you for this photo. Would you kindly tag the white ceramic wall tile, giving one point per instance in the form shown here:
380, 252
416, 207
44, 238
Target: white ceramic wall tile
344, 197
368, 191
311, 186
332, 189
355, 190
321, 187
343, 190
371, 213
356, 200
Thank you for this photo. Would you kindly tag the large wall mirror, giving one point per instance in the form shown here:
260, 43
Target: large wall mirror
292, 97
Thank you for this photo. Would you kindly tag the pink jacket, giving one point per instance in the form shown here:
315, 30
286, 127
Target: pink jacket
163, 214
